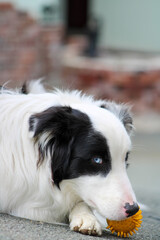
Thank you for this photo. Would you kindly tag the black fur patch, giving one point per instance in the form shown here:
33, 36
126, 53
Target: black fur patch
86, 146
24, 89
72, 143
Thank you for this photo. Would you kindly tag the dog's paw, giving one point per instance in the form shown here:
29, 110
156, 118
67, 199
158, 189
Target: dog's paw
86, 224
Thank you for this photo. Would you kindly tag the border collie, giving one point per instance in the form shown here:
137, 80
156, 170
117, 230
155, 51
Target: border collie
64, 155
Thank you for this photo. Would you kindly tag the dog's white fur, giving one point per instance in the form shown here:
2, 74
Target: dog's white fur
27, 191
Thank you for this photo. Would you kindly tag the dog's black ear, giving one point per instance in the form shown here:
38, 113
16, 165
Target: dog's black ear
60, 160
122, 111
54, 130
54, 121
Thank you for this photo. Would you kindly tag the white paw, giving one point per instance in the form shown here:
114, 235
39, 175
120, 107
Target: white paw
86, 224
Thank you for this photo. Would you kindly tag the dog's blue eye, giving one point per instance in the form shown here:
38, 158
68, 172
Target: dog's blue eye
97, 160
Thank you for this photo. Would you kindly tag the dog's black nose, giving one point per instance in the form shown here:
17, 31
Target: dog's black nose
131, 209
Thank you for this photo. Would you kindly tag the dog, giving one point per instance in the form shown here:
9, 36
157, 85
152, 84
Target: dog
63, 155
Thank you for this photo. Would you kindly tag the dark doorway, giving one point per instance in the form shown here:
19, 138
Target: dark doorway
77, 16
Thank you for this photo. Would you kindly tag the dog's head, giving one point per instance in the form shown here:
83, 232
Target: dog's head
88, 145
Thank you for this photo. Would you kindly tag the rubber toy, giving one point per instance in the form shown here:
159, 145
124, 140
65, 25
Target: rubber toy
127, 226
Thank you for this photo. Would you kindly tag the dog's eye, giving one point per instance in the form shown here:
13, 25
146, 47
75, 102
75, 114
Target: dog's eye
126, 159
97, 160
127, 155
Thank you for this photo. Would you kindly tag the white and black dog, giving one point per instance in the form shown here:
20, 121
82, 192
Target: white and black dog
62, 155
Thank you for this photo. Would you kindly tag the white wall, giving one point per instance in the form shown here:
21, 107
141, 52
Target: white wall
33, 6
129, 24
126, 24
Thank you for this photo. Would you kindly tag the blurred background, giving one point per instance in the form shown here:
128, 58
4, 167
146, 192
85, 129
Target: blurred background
108, 48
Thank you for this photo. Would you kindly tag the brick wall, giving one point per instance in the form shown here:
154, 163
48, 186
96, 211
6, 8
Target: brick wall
25, 47
140, 88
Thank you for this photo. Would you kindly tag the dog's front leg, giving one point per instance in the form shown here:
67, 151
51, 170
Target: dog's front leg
82, 220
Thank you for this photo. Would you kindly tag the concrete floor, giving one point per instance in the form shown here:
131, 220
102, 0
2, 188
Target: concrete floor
144, 173
12, 228
144, 170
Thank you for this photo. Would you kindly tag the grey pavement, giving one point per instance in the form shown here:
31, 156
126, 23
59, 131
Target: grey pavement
12, 228
144, 173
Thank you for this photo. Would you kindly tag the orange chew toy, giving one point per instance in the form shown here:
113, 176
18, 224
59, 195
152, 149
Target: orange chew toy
127, 226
